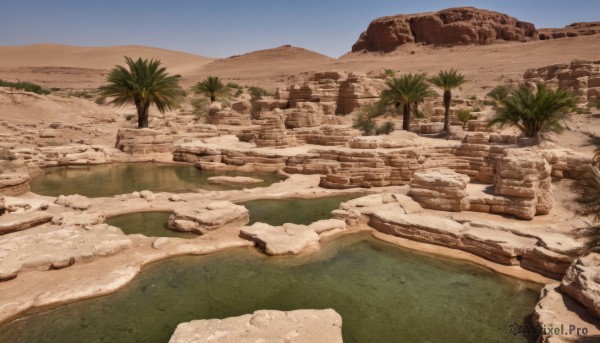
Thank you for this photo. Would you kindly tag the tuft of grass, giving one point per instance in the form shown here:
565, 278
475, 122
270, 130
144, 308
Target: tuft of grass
26, 86
257, 93
385, 128
101, 100
390, 73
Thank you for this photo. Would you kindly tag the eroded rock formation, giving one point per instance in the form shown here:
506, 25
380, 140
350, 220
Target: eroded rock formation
572, 30
201, 218
299, 326
462, 25
580, 76
442, 190
143, 141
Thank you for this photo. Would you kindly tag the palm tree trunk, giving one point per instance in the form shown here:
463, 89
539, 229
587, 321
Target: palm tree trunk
142, 115
406, 116
447, 99
213, 99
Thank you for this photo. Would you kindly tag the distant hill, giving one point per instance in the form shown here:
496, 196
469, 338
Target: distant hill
56, 55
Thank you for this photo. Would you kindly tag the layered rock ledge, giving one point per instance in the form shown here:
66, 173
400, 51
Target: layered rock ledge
266, 326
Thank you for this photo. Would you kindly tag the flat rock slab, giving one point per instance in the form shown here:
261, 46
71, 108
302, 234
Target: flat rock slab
280, 240
265, 326
233, 180
201, 218
21, 221
54, 247
75, 201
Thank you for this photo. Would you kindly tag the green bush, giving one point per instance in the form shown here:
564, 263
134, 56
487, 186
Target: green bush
365, 123
464, 115
233, 85
256, 93
385, 129
200, 108
390, 73
26, 86
81, 94
55, 89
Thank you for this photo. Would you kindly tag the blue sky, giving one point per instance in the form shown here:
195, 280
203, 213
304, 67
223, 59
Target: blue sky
224, 28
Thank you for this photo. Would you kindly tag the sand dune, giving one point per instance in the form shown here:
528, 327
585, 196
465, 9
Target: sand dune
55, 55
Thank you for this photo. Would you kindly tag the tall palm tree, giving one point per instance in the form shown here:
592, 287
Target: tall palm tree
144, 83
447, 80
535, 112
211, 87
405, 91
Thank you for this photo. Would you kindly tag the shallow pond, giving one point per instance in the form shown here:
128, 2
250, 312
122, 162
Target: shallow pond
383, 293
121, 178
150, 224
297, 211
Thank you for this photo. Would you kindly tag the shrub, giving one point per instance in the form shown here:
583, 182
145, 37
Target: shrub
233, 85
129, 117
385, 128
365, 123
101, 100
477, 109
26, 86
256, 93
464, 115
81, 94
55, 89
200, 108
473, 97
390, 73
499, 93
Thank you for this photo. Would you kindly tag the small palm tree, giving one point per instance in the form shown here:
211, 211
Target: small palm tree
535, 112
406, 91
447, 80
143, 83
211, 87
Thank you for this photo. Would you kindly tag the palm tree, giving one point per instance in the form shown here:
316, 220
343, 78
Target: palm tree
535, 112
211, 87
405, 91
143, 83
447, 80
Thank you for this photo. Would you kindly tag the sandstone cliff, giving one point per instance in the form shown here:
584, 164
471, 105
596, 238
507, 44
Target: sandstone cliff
460, 25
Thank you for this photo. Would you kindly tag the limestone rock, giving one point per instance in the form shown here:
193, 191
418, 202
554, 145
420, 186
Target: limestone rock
143, 141
442, 190
148, 195
325, 225
265, 326
581, 77
572, 30
18, 205
582, 282
201, 218
23, 220
14, 183
279, 240
43, 247
462, 25
78, 219
233, 180
75, 201
557, 310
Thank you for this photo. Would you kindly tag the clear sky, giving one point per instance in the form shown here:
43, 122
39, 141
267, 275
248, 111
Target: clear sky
223, 28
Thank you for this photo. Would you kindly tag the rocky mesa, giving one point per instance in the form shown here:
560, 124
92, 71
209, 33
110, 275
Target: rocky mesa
459, 25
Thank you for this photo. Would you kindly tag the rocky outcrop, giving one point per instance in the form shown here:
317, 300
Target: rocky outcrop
462, 25
442, 190
328, 135
51, 248
14, 183
582, 282
267, 326
273, 133
143, 141
76, 154
562, 318
572, 30
202, 218
334, 92
305, 114
21, 221
580, 76
231, 116
288, 238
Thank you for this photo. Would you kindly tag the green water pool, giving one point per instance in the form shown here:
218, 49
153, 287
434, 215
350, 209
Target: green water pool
151, 224
121, 178
297, 211
383, 293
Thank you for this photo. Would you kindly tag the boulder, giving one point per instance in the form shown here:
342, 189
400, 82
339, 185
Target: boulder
143, 141
14, 184
582, 282
280, 240
75, 201
267, 326
23, 220
442, 190
205, 217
